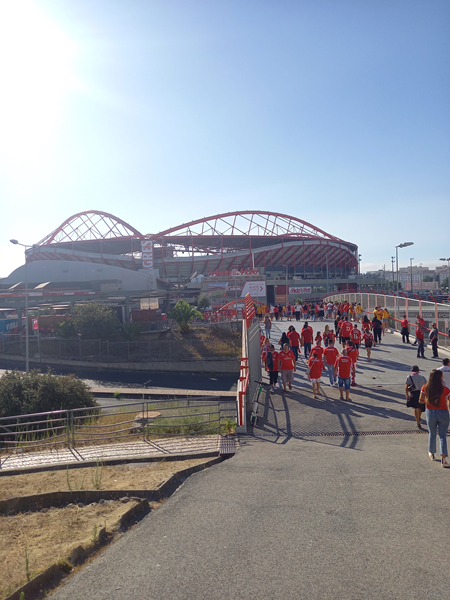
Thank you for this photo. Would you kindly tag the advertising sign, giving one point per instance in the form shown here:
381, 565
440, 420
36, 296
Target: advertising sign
300, 290
35, 325
147, 254
280, 299
254, 288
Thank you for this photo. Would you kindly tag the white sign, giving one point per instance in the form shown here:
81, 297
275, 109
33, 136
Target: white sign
254, 288
300, 290
147, 254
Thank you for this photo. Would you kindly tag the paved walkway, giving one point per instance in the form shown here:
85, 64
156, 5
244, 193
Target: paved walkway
326, 501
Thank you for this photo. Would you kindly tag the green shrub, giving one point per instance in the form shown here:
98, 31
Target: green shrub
24, 393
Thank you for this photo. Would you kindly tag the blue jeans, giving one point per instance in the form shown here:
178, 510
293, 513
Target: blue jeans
437, 419
307, 348
330, 369
295, 351
267, 333
345, 383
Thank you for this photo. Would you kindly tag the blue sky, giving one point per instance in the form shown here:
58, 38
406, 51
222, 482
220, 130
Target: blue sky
161, 112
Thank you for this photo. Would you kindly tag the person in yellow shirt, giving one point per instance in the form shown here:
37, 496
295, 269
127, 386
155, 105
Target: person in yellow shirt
358, 312
385, 320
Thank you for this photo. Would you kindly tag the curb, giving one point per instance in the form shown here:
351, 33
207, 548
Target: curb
37, 502
53, 575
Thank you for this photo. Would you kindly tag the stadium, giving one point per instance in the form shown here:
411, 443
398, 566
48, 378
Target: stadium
275, 255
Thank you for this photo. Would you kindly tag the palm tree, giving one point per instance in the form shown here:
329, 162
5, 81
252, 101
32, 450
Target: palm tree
183, 313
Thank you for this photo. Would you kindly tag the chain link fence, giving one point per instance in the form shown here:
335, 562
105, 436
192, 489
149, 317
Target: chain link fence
79, 349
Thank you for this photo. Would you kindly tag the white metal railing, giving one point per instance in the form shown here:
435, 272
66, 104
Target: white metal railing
401, 306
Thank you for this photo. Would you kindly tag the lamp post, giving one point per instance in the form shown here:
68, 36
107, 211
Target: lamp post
410, 263
359, 271
448, 272
404, 245
393, 280
27, 348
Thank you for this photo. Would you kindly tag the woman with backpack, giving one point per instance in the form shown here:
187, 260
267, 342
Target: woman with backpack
437, 398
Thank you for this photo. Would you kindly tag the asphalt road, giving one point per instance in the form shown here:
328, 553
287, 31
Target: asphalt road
302, 510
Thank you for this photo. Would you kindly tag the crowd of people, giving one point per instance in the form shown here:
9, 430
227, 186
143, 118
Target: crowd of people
355, 332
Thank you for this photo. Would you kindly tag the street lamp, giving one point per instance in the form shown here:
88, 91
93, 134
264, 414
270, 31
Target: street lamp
27, 350
359, 271
393, 280
448, 272
410, 262
404, 245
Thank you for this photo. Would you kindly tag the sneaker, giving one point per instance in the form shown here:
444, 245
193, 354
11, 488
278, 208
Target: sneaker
430, 455
445, 462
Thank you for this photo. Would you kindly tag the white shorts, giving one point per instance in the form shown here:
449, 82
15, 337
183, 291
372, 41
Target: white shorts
315, 380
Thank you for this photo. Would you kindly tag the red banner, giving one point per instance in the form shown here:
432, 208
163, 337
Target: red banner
249, 309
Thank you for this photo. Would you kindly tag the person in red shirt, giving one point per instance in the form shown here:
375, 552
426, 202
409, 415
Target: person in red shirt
330, 355
272, 367
355, 336
318, 348
306, 339
318, 337
286, 360
405, 330
275, 312
294, 340
368, 342
420, 342
343, 369
437, 398
346, 329
353, 353
315, 365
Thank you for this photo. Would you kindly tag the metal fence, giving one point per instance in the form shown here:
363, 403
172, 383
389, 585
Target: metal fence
41, 348
146, 420
400, 306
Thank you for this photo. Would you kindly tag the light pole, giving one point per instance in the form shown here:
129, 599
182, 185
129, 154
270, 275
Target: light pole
393, 280
27, 348
421, 278
410, 262
359, 271
448, 273
404, 245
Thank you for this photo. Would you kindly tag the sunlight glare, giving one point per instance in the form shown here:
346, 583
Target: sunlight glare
35, 74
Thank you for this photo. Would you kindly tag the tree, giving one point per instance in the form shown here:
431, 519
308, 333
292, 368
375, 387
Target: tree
95, 321
183, 313
65, 329
203, 302
25, 393
444, 284
131, 331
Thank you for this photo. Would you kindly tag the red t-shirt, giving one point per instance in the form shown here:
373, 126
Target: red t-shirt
355, 336
368, 339
319, 350
286, 360
315, 367
367, 325
275, 360
346, 329
307, 335
344, 366
318, 337
404, 323
353, 354
294, 338
419, 334
275, 309
330, 354
442, 400
331, 335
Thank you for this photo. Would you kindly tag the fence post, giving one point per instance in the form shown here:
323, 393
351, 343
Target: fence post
79, 345
170, 349
107, 350
143, 422
59, 347
68, 428
148, 350
100, 349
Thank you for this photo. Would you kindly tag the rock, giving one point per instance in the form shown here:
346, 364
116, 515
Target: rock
44, 510
80, 505
124, 499
102, 501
